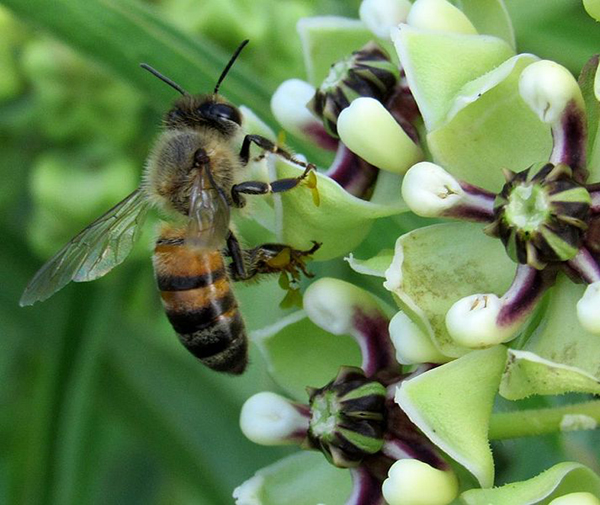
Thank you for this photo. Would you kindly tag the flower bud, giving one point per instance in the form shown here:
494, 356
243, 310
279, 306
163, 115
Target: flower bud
381, 16
439, 16
366, 73
473, 322
269, 419
412, 482
548, 88
371, 132
588, 308
429, 190
412, 345
576, 499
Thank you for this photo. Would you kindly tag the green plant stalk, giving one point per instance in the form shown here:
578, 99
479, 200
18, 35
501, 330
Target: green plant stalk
535, 422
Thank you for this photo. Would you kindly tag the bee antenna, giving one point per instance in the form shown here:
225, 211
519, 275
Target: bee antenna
163, 78
231, 62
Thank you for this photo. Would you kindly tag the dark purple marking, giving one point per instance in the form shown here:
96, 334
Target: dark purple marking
478, 205
470, 213
319, 135
570, 141
585, 266
403, 437
527, 288
373, 337
403, 108
366, 489
353, 173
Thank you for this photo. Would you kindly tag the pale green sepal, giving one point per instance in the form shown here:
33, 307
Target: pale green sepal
557, 481
438, 65
328, 39
561, 356
375, 266
297, 336
435, 266
457, 422
254, 124
341, 221
592, 7
490, 17
487, 115
304, 478
527, 374
589, 82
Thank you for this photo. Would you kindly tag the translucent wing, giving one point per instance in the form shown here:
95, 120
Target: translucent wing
209, 213
93, 252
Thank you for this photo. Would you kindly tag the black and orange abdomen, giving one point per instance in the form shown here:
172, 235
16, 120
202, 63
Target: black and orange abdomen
200, 305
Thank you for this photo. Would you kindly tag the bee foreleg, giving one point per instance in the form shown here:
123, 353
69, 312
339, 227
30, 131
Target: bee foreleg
237, 267
264, 188
271, 147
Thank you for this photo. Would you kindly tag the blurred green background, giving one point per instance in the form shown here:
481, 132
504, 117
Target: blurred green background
100, 403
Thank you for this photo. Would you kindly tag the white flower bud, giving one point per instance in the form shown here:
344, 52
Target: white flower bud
588, 308
439, 16
592, 7
548, 87
381, 16
412, 482
288, 104
576, 499
473, 322
412, 345
270, 419
331, 304
429, 190
370, 131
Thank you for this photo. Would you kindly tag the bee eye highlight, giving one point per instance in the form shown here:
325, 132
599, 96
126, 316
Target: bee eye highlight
220, 112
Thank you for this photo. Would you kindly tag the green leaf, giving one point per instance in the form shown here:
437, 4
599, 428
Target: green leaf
121, 34
437, 265
299, 354
452, 405
486, 115
341, 221
438, 65
304, 478
328, 39
560, 356
490, 17
588, 80
559, 480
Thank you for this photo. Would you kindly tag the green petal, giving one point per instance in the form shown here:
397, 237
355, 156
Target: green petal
304, 478
328, 39
438, 65
437, 265
557, 481
322, 353
490, 17
457, 422
375, 266
487, 115
341, 221
561, 356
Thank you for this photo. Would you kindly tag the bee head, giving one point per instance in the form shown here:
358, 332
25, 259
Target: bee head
212, 111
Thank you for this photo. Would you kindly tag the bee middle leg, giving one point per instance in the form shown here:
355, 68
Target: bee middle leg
266, 259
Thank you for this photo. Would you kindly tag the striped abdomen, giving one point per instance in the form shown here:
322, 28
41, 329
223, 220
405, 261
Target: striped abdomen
197, 297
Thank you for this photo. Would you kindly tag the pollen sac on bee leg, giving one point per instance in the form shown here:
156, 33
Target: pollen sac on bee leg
365, 73
347, 418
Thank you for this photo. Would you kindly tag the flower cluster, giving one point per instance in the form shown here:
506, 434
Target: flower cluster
429, 109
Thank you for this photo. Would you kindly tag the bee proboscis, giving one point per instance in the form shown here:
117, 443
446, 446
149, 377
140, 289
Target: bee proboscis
194, 175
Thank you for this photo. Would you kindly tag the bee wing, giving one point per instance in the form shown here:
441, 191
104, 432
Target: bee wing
208, 224
94, 252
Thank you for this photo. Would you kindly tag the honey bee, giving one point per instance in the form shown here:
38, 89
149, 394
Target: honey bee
194, 175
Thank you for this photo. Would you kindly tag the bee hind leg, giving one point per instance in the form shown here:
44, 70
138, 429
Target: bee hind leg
267, 259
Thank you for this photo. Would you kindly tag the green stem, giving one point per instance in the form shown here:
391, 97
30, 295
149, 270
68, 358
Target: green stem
527, 423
